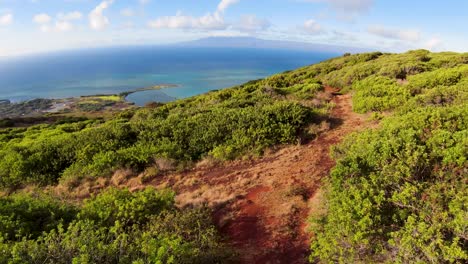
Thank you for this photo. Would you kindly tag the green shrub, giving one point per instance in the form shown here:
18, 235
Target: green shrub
398, 193
440, 77
125, 208
378, 94
27, 215
118, 226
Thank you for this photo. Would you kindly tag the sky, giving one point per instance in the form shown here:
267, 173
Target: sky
32, 26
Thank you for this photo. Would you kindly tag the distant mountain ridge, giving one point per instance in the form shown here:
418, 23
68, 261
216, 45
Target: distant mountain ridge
251, 42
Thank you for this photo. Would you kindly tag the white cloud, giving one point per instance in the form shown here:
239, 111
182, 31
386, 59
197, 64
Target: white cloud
127, 12
6, 19
312, 27
42, 18
210, 21
75, 15
347, 9
227, 33
224, 4
250, 23
392, 33
180, 21
354, 6
63, 26
62, 21
97, 19
45, 28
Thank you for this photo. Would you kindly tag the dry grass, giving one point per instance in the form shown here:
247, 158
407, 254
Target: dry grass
121, 176
165, 165
149, 174
324, 96
213, 196
207, 162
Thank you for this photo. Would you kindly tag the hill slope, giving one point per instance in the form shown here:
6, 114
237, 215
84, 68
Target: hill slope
398, 191
261, 205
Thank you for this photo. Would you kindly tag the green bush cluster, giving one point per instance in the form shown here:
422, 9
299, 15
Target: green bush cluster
23, 215
116, 226
377, 93
382, 81
398, 193
439, 77
380, 93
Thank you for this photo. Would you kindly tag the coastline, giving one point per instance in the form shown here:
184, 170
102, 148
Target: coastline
154, 87
81, 104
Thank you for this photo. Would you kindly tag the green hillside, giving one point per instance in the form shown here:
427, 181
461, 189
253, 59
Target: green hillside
397, 194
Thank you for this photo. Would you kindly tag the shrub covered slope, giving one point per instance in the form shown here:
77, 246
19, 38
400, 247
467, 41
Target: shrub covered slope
224, 124
397, 194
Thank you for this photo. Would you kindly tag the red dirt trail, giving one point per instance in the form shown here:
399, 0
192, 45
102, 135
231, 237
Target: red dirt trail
261, 205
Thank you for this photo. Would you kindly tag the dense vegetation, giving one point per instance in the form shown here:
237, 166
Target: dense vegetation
397, 194
142, 227
116, 226
224, 124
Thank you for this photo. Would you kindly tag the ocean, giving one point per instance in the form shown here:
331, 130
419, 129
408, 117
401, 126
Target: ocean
115, 70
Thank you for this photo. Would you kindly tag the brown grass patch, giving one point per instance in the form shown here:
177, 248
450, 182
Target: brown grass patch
121, 176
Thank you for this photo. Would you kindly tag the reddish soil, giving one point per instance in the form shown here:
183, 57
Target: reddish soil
261, 205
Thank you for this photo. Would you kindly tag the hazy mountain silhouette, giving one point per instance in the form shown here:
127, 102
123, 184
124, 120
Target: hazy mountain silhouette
251, 42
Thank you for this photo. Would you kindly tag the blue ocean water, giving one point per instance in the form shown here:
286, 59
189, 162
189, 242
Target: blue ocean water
115, 70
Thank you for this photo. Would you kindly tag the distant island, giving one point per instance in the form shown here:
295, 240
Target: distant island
251, 42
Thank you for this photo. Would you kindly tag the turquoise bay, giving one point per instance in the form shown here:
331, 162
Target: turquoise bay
115, 70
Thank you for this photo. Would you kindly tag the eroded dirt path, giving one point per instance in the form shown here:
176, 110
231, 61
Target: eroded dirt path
261, 206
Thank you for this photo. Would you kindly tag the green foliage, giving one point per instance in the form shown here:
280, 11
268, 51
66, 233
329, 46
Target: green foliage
26, 215
378, 93
440, 77
390, 76
125, 207
398, 192
225, 124
117, 226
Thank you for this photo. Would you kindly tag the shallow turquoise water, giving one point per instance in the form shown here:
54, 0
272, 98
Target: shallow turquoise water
110, 71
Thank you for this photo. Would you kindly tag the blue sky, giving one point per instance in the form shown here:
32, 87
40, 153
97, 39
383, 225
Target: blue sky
46, 25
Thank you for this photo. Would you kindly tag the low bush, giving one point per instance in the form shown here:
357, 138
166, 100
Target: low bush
117, 226
398, 193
